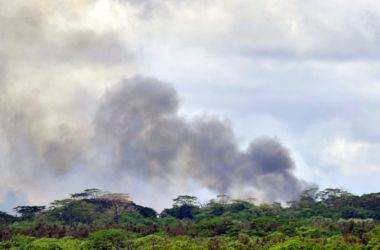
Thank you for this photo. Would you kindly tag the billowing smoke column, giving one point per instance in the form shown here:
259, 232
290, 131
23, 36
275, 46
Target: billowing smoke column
138, 142
139, 130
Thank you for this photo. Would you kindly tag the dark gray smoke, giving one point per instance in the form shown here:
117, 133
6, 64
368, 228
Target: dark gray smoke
139, 130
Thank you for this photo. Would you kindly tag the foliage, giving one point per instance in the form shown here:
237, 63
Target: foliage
93, 219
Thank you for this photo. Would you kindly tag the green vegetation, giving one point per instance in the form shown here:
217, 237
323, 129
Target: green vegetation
328, 219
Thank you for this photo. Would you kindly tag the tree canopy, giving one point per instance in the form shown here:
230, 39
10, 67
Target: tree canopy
93, 219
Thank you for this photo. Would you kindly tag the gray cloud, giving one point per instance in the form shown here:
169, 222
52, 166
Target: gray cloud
291, 30
106, 48
34, 32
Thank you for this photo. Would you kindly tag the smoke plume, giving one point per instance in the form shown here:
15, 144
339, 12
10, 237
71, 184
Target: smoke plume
65, 126
140, 130
137, 136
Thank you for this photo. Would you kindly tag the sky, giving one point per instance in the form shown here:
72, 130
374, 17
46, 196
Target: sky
304, 74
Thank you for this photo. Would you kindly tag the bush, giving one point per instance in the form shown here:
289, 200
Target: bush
110, 239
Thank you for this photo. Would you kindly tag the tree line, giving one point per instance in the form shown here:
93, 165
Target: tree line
92, 219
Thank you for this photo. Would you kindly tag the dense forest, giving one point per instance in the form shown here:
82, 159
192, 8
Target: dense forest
93, 219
